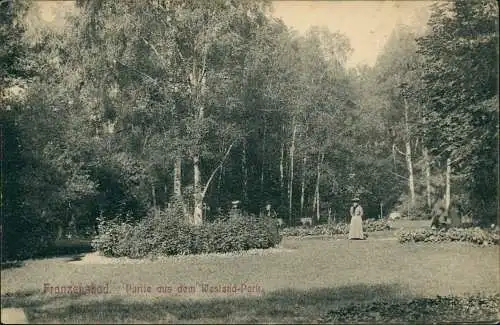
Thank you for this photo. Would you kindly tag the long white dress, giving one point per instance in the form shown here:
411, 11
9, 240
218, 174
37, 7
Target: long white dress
356, 227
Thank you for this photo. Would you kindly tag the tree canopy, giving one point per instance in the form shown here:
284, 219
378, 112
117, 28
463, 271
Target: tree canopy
136, 107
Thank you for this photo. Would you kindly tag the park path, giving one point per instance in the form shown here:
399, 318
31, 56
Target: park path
13, 316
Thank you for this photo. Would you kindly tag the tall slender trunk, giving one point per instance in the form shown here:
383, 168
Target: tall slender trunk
394, 157
302, 195
427, 160
282, 174
60, 231
318, 177
290, 181
427, 177
411, 182
262, 195
219, 187
244, 171
178, 198
197, 195
447, 198
153, 193
177, 178
198, 88
282, 169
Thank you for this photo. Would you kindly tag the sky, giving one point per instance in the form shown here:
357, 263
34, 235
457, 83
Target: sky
367, 24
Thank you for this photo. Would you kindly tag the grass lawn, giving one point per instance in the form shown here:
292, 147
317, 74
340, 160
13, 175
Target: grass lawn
295, 283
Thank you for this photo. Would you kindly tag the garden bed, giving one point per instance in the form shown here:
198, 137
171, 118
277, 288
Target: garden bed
422, 310
369, 225
475, 235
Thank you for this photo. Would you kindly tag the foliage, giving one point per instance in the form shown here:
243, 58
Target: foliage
474, 235
167, 234
460, 91
29, 183
27, 237
123, 92
369, 225
472, 308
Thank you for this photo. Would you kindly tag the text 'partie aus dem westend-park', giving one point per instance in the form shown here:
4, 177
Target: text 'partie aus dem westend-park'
242, 288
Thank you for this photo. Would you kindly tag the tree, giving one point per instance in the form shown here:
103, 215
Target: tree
398, 75
461, 78
39, 183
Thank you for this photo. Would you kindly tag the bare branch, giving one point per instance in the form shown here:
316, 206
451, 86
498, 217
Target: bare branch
216, 169
162, 59
203, 67
456, 160
405, 178
399, 151
136, 71
146, 138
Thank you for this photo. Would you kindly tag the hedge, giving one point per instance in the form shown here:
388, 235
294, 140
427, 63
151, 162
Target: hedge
168, 235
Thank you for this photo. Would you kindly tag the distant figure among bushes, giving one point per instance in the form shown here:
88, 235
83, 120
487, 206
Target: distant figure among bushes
356, 226
269, 211
439, 215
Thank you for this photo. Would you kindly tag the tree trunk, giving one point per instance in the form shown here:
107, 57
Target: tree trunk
427, 177
177, 178
282, 174
262, 195
290, 181
447, 198
60, 231
302, 195
411, 183
318, 177
282, 170
219, 188
178, 198
197, 195
198, 88
244, 171
394, 157
153, 193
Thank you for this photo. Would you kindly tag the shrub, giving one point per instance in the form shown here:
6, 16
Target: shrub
24, 238
168, 234
473, 235
372, 225
112, 238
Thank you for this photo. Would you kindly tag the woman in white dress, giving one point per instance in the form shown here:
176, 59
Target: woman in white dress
356, 227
